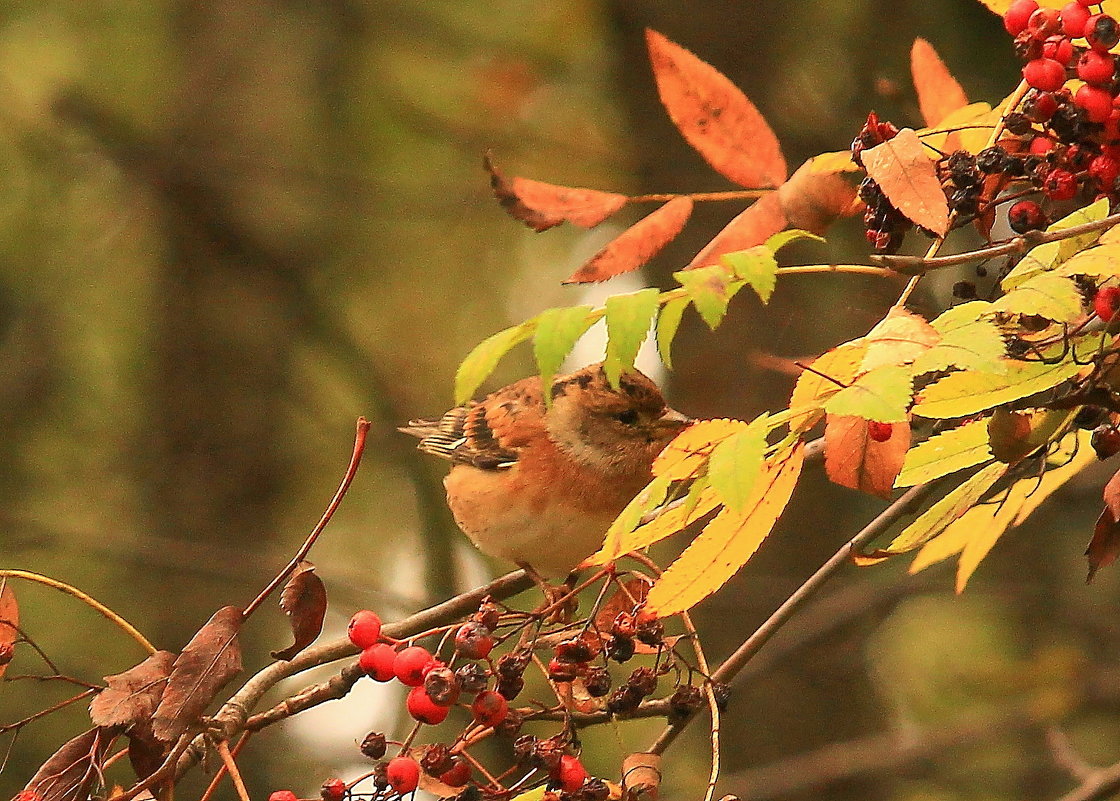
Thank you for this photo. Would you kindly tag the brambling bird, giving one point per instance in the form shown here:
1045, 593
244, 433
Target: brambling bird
540, 486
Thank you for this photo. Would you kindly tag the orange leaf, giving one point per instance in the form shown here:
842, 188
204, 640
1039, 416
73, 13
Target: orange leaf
637, 244
9, 618
852, 459
939, 94
751, 227
542, 206
715, 117
1104, 547
831, 373
1112, 495
908, 178
812, 199
899, 338
727, 542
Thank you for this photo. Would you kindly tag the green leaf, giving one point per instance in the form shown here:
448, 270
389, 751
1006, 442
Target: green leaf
1048, 295
481, 361
1091, 213
881, 395
556, 335
736, 463
711, 289
667, 324
536, 794
779, 240
1036, 260
757, 266
968, 341
628, 321
946, 453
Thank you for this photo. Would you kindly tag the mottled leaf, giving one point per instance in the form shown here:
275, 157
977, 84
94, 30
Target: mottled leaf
1104, 547
756, 265
132, 696
304, 601
207, 663
853, 459
882, 395
668, 321
1102, 261
813, 200
830, 373
939, 94
710, 289
9, 618
70, 772
736, 463
751, 227
542, 206
1014, 435
1054, 297
637, 244
945, 453
906, 174
714, 116
899, 338
969, 340
556, 335
481, 361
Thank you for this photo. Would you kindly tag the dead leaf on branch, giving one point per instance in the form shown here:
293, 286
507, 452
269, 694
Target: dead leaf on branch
1104, 547
132, 696
542, 206
761, 220
715, 117
637, 244
9, 619
853, 459
939, 94
908, 178
207, 663
70, 772
304, 601
1112, 495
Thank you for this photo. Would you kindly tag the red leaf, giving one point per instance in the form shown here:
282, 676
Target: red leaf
1104, 547
637, 244
72, 769
146, 752
132, 696
908, 178
542, 206
813, 200
9, 619
715, 117
939, 94
1112, 495
304, 601
751, 227
853, 459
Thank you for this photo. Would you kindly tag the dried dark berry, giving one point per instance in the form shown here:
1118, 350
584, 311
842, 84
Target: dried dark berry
598, 682
619, 648
373, 745
509, 687
1089, 417
1105, 441
685, 700
513, 664
651, 631
623, 625
473, 678
488, 614
624, 699
511, 726
436, 759
442, 686
380, 776
577, 650
643, 680
1017, 123
547, 753
524, 747
593, 789
991, 160
965, 201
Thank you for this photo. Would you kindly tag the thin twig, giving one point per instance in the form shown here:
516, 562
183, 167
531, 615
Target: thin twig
19, 724
213, 786
231, 767
1100, 785
700, 197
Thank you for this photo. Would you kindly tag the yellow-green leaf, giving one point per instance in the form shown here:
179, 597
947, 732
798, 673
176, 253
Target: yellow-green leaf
735, 464
1048, 295
481, 361
651, 496
969, 340
1016, 434
668, 321
728, 541
711, 289
899, 338
881, 395
628, 321
779, 240
1094, 212
671, 520
831, 373
1102, 261
945, 453
757, 266
688, 452
556, 335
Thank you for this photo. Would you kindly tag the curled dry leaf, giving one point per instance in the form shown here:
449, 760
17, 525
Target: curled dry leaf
207, 663
9, 618
542, 206
853, 459
637, 244
1104, 547
813, 200
70, 772
132, 696
939, 94
908, 178
304, 601
715, 117
754, 226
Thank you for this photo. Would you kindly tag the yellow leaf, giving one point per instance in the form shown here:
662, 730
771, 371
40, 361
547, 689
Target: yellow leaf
897, 339
689, 451
726, 543
666, 524
945, 453
840, 365
939, 94
1103, 261
968, 340
1054, 297
974, 139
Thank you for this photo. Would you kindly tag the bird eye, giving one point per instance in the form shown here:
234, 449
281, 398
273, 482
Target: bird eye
628, 417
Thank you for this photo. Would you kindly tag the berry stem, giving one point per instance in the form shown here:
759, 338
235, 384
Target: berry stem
230, 764
213, 786
700, 197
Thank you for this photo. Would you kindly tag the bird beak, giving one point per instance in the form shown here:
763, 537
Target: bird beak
672, 420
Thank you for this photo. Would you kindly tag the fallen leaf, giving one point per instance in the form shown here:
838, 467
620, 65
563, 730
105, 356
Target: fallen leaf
207, 663
908, 178
132, 696
812, 199
899, 338
853, 459
1104, 547
304, 601
542, 206
70, 772
9, 618
939, 94
637, 244
715, 117
751, 227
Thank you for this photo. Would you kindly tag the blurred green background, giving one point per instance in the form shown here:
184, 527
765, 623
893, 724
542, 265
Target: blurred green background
228, 229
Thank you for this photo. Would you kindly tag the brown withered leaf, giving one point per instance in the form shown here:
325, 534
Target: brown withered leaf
852, 459
207, 663
632, 592
637, 244
897, 339
70, 772
542, 206
132, 696
813, 200
146, 752
1112, 495
908, 178
304, 601
1104, 547
755, 225
991, 187
939, 94
9, 618
715, 117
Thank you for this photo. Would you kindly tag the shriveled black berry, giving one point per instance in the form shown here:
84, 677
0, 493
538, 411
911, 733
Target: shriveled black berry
473, 678
991, 160
594, 789
685, 700
373, 745
619, 648
643, 680
509, 687
577, 650
513, 664
1017, 123
436, 759
624, 699
511, 724
488, 614
651, 632
869, 191
965, 201
547, 752
598, 682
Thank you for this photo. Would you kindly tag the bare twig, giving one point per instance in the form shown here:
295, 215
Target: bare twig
231, 765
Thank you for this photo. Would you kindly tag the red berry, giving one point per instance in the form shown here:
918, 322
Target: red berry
1096, 101
1040, 146
1060, 184
1059, 48
489, 708
458, 775
411, 664
879, 432
1101, 32
333, 790
1107, 302
570, 773
1095, 67
1017, 14
1074, 15
1026, 215
378, 662
283, 795
1044, 22
1104, 170
403, 774
1045, 74
364, 629
1039, 106
473, 641
424, 709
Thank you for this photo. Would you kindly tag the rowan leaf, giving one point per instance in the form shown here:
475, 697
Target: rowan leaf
882, 395
736, 463
1102, 261
1054, 297
556, 334
836, 161
908, 178
670, 521
69, 773
1104, 547
830, 373
1111, 495
967, 128
650, 497
668, 321
710, 289
939, 94
304, 601
714, 116
855, 460
757, 266
1049, 255
637, 244
970, 339
628, 321
131, 697
728, 541
899, 338
688, 452
1014, 435
813, 199
946, 452
753, 226
542, 206
481, 361
9, 618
